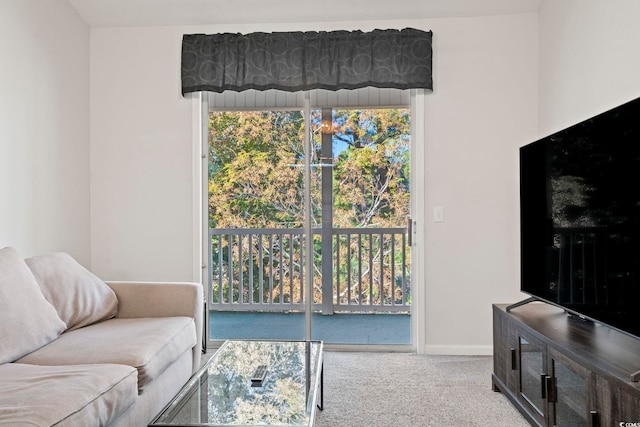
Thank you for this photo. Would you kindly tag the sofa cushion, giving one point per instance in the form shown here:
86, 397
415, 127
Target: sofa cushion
79, 297
148, 344
85, 395
27, 320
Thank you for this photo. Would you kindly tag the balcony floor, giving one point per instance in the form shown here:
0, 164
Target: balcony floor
340, 328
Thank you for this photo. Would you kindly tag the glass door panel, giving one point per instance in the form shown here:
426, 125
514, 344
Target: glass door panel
363, 253
570, 398
256, 220
532, 374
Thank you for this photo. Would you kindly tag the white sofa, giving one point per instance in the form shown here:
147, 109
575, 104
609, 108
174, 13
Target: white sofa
77, 351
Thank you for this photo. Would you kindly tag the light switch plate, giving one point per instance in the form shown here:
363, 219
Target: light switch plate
438, 214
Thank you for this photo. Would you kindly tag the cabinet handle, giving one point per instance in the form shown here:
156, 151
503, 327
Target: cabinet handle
594, 419
513, 359
543, 386
551, 389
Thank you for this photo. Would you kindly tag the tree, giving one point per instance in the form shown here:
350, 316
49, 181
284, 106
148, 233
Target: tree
372, 175
252, 180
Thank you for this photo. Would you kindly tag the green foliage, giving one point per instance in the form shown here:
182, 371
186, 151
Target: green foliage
256, 179
252, 183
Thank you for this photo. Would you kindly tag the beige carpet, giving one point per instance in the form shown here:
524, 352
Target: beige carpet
406, 390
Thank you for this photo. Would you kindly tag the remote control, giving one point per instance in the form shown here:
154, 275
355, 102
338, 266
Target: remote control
258, 376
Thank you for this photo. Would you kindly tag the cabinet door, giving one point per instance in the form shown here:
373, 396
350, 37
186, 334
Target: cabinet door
628, 410
532, 376
505, 344
568, 393
603, 396
618, 403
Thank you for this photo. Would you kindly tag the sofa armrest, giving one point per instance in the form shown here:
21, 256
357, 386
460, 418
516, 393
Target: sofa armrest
158, 299
163, 299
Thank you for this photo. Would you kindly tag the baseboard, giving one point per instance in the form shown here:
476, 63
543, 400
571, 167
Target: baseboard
461, 350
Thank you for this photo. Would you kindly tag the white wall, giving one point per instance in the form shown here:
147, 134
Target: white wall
141, 203
589, 59
44, 128
483, 107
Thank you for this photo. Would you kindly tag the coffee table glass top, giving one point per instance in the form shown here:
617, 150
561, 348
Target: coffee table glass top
251, 383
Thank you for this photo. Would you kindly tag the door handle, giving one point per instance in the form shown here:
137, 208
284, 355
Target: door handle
410, 232
551, 389
547, 386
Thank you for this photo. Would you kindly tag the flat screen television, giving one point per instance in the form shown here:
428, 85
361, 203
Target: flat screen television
580, 218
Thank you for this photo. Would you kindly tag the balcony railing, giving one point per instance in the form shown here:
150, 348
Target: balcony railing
262, 269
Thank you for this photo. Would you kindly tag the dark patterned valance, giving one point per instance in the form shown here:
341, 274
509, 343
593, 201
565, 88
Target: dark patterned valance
294, 61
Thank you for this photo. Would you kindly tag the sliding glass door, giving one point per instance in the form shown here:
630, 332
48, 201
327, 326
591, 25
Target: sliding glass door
256, 220
325, 188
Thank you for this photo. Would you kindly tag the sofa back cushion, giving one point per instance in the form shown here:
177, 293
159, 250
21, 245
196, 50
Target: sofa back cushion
27, 320
79, 297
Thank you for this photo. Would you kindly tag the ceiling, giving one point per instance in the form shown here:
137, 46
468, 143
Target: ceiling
135, 13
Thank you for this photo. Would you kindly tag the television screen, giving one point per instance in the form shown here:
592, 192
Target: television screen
580, 218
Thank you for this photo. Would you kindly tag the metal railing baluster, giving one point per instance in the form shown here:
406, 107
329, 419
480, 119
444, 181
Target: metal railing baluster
392, 261
240, 270
230, 267
348, 262
221, 270
270, 268
250, 269
280, 269
291, 268
337, 269
302, 256
360, 269
381, 269
260, 270
370, 269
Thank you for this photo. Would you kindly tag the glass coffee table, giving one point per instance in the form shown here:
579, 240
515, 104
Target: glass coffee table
249, 383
